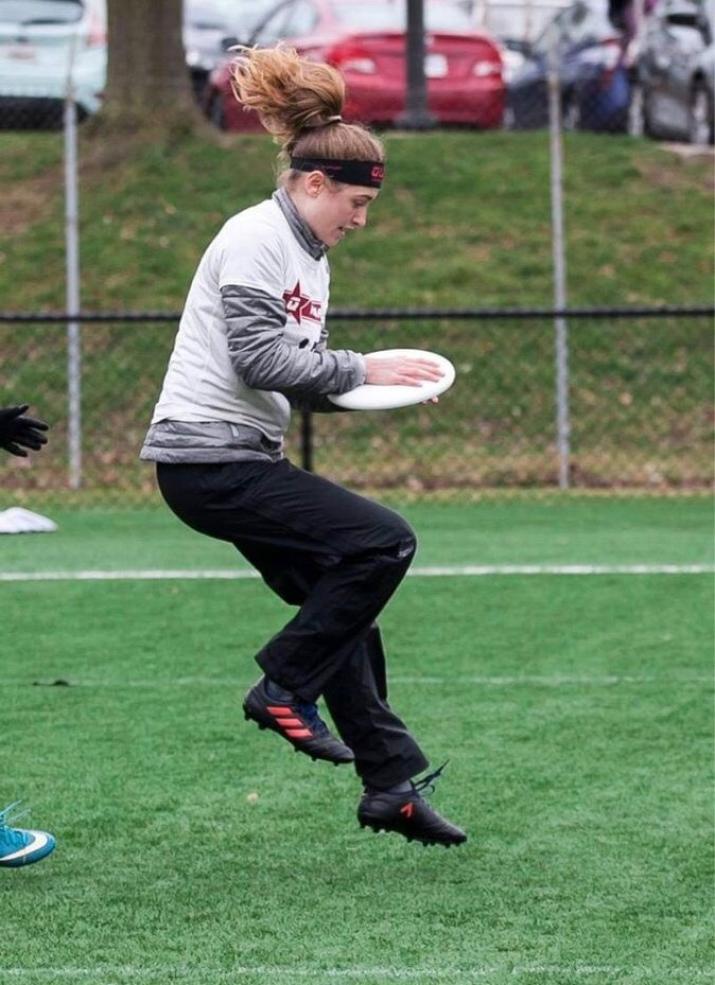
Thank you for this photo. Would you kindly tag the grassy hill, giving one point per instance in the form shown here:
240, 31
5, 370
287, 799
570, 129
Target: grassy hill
463, 220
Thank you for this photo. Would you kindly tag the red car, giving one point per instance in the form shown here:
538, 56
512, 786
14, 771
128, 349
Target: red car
366, 41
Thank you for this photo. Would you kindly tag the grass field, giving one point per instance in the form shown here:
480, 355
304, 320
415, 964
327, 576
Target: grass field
575, 711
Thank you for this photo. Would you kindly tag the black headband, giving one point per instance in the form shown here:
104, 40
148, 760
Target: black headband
369, 173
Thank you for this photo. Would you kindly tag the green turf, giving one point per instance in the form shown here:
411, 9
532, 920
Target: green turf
576, 714
557, 530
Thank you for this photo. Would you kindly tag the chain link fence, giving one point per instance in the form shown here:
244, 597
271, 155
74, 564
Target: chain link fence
640, 409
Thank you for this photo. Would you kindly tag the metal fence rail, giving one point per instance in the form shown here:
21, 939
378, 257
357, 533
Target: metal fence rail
374, 314
639, 389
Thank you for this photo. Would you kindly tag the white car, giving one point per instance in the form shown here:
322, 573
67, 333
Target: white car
45, 44
208, 23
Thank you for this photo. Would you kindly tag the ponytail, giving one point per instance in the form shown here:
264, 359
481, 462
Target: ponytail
300, 103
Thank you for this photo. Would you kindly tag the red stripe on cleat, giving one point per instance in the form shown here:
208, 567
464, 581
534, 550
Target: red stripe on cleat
280, 711
291, 722
299, 733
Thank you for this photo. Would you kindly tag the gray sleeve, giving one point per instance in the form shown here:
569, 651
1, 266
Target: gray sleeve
265, 356
317, 403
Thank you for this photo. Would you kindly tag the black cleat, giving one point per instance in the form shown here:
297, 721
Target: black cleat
408, 814
298, 722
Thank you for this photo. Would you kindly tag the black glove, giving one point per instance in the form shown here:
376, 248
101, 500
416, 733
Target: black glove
18, 432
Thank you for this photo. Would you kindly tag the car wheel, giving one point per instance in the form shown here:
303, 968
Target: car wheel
700, 126
636, 112
216, 111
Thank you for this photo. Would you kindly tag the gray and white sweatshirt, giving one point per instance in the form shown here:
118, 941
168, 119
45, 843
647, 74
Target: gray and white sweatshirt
252, 342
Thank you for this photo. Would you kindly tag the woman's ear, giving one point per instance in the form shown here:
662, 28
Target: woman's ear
314, 183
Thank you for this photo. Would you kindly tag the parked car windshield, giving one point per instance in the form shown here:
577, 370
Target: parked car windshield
579, 24
514, 21
218, 15
392, 16
40, 11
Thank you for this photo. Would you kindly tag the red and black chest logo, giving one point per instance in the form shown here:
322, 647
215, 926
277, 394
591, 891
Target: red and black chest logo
300, 305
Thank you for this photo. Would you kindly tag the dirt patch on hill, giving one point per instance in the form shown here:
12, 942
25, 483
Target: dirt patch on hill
683, 167
23, 203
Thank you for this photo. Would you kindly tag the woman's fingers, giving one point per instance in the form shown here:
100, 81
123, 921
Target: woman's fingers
423, 369
401, 370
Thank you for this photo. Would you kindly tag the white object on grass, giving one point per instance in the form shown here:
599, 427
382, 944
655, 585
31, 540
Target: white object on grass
18, 520
372, 396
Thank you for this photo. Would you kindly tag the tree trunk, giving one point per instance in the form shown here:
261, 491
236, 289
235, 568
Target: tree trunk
148, 86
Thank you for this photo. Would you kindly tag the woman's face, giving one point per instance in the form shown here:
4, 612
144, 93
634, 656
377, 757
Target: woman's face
332, 209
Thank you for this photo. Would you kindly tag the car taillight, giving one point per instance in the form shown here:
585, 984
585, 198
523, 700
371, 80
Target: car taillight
351, 57
484, 69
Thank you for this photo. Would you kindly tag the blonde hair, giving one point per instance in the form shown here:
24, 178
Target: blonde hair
300, 102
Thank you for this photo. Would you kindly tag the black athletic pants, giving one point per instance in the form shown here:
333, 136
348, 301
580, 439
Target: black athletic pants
337, 556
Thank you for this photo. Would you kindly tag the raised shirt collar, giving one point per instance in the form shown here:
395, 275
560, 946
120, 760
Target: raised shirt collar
300, 228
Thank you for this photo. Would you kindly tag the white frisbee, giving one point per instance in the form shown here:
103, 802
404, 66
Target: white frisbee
371, 396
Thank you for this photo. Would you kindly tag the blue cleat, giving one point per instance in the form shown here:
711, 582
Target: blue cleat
19, 846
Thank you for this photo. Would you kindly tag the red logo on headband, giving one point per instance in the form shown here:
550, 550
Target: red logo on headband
378, 172
300, 306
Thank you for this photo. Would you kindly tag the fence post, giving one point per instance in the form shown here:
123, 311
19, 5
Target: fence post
74, 351
563, 424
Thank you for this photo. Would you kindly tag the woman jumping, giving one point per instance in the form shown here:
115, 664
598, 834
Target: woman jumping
251, 344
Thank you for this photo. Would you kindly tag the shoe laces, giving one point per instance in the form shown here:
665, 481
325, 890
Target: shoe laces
10, 812
309, 712
427, 783
11, 837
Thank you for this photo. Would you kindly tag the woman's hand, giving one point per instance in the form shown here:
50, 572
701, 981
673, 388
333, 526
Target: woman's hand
401, 370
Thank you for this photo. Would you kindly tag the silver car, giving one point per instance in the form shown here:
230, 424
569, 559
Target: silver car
45, 44
673, 77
